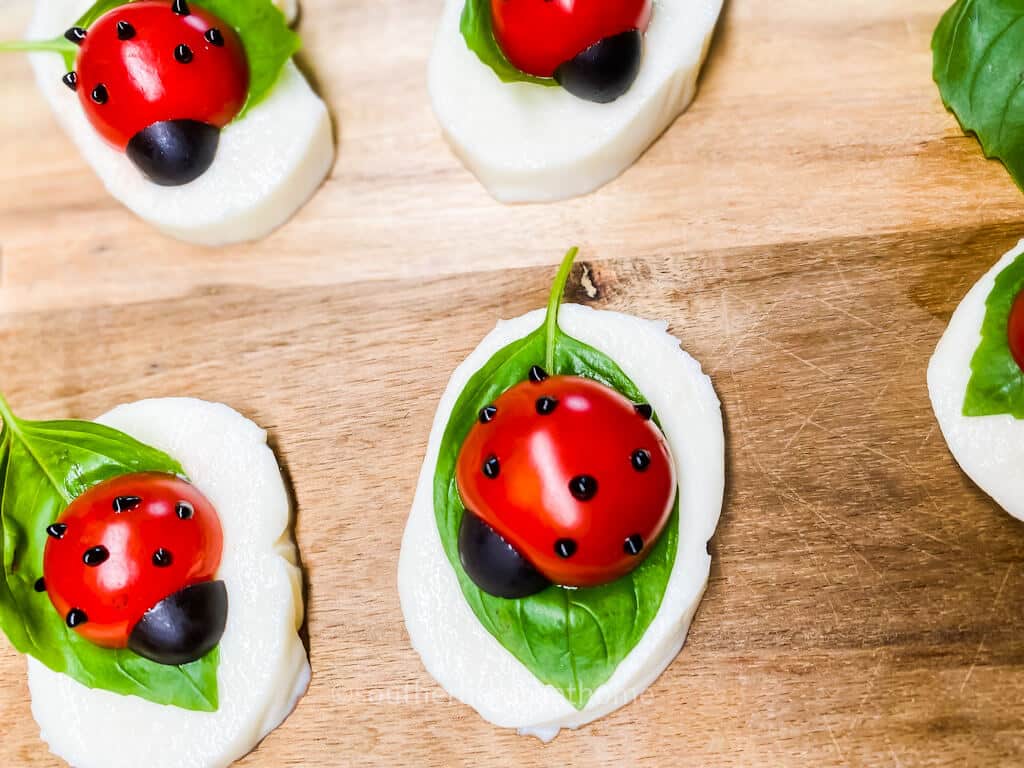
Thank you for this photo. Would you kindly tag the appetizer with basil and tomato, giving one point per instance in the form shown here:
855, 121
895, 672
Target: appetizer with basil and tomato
976, 383
557, 546
548, 99
150, 578
192, 112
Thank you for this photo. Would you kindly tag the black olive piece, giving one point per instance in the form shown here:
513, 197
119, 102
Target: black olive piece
96, 556
605, 70
184, 510
583, 487
180, 7
57, 530
641, 459
174, 152
75, 35
183, 627
100, 95
76, 617
546, 405
125, 31
183, 54
40, 585
162, 558
126, 503
644, 410
487, 414
565, 548
71, 80
493, 564
492, 467
633, 545
214, 37
537, 374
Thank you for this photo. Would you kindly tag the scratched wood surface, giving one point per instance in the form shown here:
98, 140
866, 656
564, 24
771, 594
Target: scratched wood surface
806, 228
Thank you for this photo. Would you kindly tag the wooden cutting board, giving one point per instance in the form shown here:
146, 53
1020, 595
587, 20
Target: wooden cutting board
806, 228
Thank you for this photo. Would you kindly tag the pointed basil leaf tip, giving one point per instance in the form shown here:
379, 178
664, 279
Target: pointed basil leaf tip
996, 385
575, 639
977, 68
49, 464
477, 28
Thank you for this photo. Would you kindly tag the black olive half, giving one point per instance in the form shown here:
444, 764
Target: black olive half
605, 70
174, 152
493, 564
184, 627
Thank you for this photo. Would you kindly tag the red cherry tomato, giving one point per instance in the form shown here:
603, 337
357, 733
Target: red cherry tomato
112, 566
539, 35
572, 475
143, 63
1015, 330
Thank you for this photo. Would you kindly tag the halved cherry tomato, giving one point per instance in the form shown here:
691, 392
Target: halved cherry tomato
123, 546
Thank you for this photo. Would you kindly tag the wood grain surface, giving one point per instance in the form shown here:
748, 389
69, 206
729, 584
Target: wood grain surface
806, 228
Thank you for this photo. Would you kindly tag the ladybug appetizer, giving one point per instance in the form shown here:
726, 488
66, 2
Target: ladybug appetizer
131, 564
572, 480
549, 99
564, 480
178, 105
592, 48
160, 571
976, 383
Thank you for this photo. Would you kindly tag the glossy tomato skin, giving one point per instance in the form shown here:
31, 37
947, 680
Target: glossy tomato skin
537, 36
112, 566
1015, 330
572, 475
131, 77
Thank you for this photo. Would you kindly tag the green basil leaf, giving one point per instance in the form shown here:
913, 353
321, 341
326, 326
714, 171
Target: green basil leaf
996, 385
977, 66
478, 30
269, 41
572, 639
43, 467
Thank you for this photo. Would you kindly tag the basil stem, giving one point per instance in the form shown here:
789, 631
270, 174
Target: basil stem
554, 302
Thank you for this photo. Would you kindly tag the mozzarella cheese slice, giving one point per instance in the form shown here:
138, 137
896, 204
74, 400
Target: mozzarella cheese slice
990, 449
267, 166
263, 667
530, 143
456, 649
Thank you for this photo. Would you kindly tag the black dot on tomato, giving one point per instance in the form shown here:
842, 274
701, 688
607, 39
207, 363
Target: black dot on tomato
57, 530
183, 54
40, 585
641, 459
96, 556
162, 558
126, 503
180, 7
487, 414
125, 31
214, 37
100, 95
492, 467
546, 405
537, 374
184, 510
583, 487
565, 548
633, 545
70, 80
76, 35
644, 410
76, 617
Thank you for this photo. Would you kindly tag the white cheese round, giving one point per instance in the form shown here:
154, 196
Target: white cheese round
530, 143
990, 449
456, 649
267, 166
263, 667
